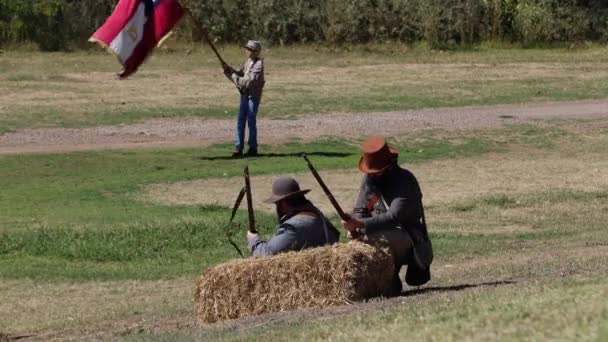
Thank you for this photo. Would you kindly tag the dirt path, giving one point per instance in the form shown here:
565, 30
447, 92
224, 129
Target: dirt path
198, 132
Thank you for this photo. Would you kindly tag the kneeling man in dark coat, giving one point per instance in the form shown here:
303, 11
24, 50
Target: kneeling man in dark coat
389, 209
301, 224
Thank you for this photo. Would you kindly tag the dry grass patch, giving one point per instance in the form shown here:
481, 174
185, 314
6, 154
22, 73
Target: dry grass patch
48, 309
222, 191
109, 309
94, 92
538, 260
442, 181
184, 84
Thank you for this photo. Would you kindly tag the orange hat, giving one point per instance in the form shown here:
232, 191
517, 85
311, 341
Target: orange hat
377, 155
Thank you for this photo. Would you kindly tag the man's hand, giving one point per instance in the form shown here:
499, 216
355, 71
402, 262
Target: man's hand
352, 224
228, 70
355, 236
251, 236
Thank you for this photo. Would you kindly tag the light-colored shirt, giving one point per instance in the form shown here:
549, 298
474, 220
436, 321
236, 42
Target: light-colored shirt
249, 79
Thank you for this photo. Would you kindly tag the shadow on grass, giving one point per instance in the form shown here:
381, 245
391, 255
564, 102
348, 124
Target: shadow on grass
416, 292
7, 337
281, 155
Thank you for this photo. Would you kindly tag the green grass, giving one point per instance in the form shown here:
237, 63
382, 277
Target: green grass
72, 220
149, 252
186, 246
139, 251
301, 80
73, 216
603, 336
502, 201
73, 235
451, 246
46, 189
487, 219
580, 217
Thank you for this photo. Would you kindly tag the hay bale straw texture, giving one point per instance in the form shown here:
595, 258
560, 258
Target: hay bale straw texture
319, 277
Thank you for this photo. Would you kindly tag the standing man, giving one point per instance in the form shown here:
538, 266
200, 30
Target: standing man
301, 224
249, 80
389, 209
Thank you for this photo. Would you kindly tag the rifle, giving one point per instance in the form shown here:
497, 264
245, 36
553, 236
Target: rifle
245, 191
249, 202
237, 202
328, 193
235, 207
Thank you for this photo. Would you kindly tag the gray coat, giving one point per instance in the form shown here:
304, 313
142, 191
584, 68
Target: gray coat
305, 228
395, 202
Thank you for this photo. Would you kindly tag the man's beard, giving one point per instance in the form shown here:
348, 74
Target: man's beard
378, 181
280, 212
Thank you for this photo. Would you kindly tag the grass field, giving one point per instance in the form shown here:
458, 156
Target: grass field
80, 89
127, 266
107, 245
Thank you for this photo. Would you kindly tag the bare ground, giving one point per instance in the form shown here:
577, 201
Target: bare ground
198, 132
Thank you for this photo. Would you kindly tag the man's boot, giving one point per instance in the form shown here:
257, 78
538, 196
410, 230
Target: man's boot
237, 153
396, 286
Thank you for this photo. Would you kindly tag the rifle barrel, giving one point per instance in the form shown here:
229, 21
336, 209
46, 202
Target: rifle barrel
328, 193
249, 201
237, 202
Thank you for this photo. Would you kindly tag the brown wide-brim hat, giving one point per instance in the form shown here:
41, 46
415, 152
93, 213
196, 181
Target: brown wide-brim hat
376, 155
284, 187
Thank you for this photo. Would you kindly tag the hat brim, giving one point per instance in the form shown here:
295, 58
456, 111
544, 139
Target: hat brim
365, 169
274, 199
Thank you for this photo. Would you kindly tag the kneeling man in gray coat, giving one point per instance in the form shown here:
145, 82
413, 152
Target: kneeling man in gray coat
389, 210
301, 224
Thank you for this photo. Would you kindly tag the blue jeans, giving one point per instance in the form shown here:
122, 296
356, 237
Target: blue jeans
247, 113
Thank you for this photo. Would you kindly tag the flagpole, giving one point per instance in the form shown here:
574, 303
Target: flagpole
206, 37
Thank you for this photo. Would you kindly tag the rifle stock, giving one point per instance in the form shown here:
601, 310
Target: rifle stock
249, 202
328, 193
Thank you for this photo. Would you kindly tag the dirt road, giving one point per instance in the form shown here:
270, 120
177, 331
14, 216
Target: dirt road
199, 132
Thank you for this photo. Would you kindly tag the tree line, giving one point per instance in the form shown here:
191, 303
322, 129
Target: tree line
67, 24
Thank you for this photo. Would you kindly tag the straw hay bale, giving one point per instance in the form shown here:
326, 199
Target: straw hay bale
332, 275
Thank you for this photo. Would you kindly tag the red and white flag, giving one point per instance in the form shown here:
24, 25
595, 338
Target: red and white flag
135, 28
